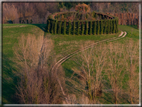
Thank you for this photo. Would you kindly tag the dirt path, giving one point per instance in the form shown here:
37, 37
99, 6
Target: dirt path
56, 66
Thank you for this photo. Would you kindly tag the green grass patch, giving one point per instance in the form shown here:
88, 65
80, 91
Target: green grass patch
63, 45
10, 35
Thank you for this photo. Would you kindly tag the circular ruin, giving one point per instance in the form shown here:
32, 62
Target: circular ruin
82, 22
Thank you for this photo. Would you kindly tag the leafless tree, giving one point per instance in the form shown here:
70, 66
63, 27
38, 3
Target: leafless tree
115, 68
132, 62
9, 12
91, 63
37, 85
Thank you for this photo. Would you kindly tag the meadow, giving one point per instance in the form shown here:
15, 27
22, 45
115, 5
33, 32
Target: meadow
63, 45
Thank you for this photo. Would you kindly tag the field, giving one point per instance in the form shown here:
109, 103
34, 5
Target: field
63, 45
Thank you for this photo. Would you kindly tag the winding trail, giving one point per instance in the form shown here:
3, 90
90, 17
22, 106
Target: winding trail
56, 66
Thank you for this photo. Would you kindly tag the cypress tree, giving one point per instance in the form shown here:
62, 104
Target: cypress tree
86, 28
78, 25
52, 27
95, 15
73, 27
116, 25
94, 28
64, 28
113, 23
48, 26
82, 28
90, 28
98, 27
108, 26
55, 31
111, 27
69, 27
105, 27
101, 27
60, 27
58, 16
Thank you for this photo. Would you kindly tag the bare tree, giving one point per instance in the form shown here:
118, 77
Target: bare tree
115, 68
91, 63
9, 12
131, 59
37, 85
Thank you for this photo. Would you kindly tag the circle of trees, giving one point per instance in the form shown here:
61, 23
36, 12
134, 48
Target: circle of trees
82, 23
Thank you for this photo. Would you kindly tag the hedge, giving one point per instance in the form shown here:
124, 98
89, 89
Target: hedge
106, 26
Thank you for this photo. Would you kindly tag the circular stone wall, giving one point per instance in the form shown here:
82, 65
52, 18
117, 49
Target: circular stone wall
79, 23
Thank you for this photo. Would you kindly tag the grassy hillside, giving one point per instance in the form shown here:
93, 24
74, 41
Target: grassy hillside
132, 34
10, 34
63, 45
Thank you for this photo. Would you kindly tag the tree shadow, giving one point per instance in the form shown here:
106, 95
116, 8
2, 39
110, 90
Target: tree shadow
41, 26
9, 81
133, 26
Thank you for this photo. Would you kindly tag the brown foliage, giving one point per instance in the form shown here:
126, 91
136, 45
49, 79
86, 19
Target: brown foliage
82, 8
